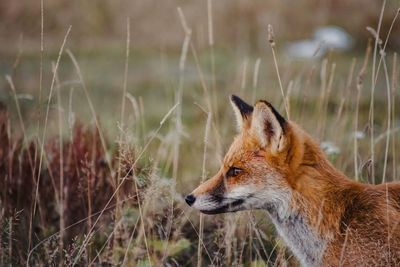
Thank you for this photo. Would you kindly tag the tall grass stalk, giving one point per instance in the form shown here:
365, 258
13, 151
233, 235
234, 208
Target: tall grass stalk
39, 106
393, 92
306, 90
121, 134
320, 104
359, 86
143, 122
188, 31
179, 93
44, 134
18, 57
288, 93
203, 178
325, 98
204, 87
373, 84
208, 100
271, 39
347, 89
136, 112
178, 121
41, 64
389, 102
255, 78
212, 58
61, 166
91, 106
386, 41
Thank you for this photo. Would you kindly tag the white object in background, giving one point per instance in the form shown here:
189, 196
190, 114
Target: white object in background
359, 134
334, 38
306, 49
330, 148
324, 39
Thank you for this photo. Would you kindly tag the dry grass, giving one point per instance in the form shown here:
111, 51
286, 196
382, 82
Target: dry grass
107, 188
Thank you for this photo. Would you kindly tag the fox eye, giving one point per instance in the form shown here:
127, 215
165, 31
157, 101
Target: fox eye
233, 172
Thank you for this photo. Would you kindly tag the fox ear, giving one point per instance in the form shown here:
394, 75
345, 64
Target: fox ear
243, 112
268, 126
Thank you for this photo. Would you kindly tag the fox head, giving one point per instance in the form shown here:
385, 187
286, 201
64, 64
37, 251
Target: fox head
256, 169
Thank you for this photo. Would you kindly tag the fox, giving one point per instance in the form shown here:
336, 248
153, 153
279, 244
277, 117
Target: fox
324, 217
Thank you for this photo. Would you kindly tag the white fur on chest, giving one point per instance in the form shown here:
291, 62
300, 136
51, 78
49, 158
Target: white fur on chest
297, 234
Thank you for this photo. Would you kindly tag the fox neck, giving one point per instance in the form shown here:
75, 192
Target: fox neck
305, 215
293, 226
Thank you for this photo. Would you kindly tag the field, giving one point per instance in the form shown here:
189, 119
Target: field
108, 123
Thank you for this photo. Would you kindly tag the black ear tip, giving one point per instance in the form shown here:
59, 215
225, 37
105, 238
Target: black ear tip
234, 98
244, 108
237, 100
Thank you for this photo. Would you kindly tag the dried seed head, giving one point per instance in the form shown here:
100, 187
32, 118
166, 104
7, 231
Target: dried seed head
374, 33
271, 37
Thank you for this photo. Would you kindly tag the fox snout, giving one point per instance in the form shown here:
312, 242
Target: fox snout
190, 199
213, 197
209, 195
217, 201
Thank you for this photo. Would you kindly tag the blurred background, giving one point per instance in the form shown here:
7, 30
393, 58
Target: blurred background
155, 25
239, 35
320, 45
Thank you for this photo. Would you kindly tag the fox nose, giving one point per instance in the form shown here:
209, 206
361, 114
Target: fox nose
190, 199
